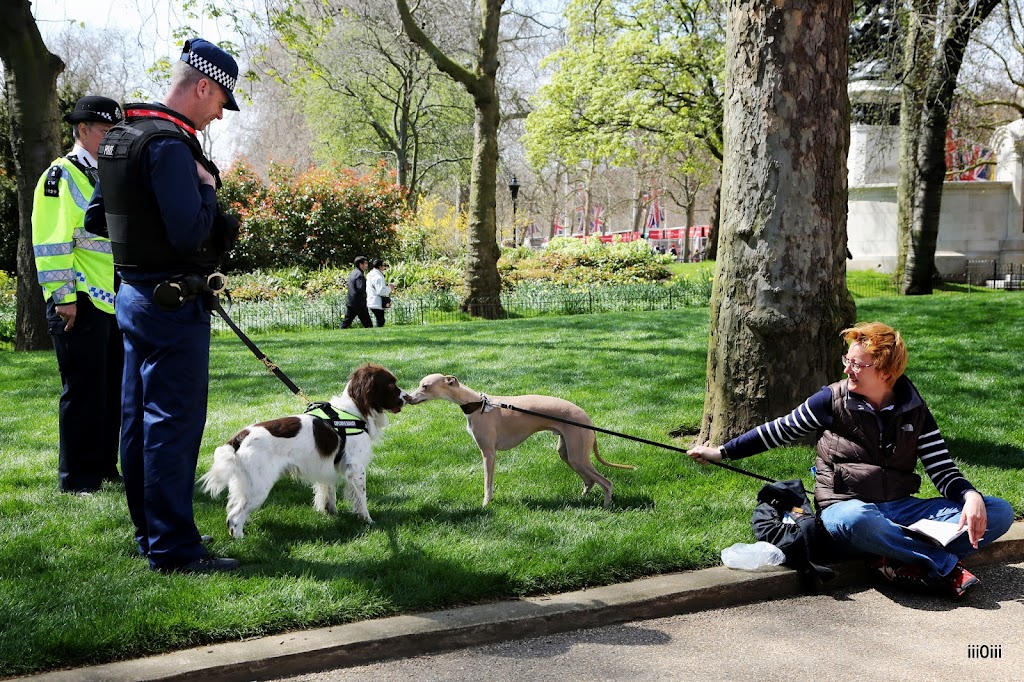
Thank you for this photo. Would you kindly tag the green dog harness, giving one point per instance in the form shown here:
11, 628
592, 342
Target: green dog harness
343, 423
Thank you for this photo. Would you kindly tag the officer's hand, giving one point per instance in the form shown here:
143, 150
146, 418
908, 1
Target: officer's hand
205, 177
67, 312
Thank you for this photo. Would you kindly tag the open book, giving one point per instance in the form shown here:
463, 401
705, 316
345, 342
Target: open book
939, 533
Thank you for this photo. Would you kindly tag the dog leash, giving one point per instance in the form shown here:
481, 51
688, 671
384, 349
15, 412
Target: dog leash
214, 303
487, 401
337, 423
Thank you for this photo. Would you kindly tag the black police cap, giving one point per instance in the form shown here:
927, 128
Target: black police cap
94, 109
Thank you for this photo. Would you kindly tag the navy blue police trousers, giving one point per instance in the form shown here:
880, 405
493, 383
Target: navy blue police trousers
89, 357
165, 388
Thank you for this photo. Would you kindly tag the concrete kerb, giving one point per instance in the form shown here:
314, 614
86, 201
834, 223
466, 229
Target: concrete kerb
401, 636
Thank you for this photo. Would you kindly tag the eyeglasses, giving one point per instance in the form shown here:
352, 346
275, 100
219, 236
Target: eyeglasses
854, 365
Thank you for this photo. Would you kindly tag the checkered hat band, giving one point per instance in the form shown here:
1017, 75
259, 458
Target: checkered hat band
212, 70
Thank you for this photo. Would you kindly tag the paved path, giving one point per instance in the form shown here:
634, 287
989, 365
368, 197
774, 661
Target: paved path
712, 624
858, 633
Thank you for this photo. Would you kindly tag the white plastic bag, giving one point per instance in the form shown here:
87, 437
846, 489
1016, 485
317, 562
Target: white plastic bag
752, 557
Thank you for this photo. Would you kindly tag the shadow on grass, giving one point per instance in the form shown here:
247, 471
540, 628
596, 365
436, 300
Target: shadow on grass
406, 578
592, 500
981, 453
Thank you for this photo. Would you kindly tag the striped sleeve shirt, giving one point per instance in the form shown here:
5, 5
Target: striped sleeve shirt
815, 414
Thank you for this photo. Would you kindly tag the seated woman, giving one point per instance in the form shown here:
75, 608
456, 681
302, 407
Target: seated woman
873, 428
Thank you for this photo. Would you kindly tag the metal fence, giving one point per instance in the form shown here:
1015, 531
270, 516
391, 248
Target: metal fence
982, 274
994, 275
306, 314
445, 308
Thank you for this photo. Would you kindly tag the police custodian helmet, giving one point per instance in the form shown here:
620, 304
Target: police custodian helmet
93, 109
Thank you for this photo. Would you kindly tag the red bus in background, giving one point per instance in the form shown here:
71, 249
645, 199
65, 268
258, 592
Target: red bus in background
663, 240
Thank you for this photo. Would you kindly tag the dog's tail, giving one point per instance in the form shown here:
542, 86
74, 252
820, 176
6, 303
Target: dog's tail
225, 467
597, 455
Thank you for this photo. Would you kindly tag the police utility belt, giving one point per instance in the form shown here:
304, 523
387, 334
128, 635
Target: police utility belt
175, 292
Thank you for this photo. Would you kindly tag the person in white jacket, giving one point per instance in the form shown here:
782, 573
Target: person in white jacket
377, 290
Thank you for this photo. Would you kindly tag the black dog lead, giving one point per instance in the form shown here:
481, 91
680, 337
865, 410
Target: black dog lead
656, 444
341, 426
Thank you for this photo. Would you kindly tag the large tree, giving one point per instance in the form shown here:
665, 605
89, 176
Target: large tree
937, 35
30, 75
479, 79
779, 299
9, 228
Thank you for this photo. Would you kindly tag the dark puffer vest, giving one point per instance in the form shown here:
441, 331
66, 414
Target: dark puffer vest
859, 460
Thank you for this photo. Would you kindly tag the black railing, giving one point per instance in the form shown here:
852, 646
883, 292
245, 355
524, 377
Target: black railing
443, 308
994, 275
436, 308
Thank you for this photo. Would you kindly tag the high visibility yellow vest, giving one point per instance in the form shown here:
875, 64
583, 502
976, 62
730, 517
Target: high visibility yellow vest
69, 260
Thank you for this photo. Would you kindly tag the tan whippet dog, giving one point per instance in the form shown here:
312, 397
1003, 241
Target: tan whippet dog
497, 428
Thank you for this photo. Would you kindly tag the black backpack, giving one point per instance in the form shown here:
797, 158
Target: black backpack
802, 539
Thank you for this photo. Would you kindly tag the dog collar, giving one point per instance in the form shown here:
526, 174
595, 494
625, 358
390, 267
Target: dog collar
484, 402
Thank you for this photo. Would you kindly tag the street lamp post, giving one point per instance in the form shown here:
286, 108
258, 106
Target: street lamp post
513, 188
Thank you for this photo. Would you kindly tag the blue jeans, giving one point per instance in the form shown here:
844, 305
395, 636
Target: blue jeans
871, 528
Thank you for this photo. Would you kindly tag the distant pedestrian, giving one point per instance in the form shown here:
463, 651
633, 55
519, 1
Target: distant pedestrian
355, 305
378, 291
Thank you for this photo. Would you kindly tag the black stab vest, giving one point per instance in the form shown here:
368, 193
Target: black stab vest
138, 235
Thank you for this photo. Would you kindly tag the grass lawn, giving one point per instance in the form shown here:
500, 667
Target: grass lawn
74, 591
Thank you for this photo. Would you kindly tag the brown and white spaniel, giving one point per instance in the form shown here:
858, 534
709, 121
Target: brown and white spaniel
306, 447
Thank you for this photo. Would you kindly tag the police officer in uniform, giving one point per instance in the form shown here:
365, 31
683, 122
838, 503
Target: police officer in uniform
76, 272
157, 197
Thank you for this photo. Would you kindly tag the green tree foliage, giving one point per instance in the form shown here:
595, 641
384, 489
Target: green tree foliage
319, 218
642, 76
368, 92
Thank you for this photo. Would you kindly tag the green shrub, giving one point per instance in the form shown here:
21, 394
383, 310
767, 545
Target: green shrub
8, 307
572, 261
323, 217
443, 276
436, 231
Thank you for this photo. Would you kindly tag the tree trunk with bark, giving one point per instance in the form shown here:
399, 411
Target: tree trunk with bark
483, 283
482, 297
780, 297
556, 202
933, 54
711, 250
30, 71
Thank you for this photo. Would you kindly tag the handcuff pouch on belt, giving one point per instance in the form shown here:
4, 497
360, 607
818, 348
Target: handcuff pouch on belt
172, 294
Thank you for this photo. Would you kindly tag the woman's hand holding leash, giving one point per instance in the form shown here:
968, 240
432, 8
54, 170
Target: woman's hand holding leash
704, 455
